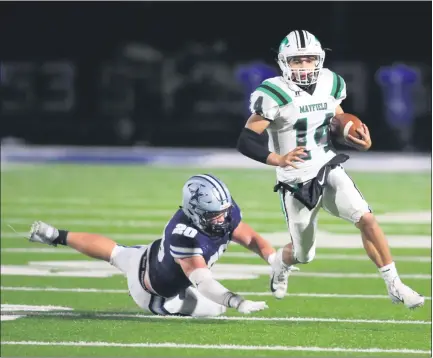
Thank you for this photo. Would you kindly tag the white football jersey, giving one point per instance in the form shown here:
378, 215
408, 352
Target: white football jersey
299, 119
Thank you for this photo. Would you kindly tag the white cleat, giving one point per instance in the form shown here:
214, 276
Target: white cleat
43, 233
400, 293
279, 280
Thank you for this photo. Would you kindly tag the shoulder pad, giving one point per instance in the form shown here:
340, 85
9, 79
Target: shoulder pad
272, 88
267, 99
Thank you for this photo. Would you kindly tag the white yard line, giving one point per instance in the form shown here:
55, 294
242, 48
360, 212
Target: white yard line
121, 202
278, 239
114, 202
216, 346
147, 209
365, 258
337, 257
82, 268
327, 239
221, 318
97, 290
93, 222
422, 217
349, 257
115, 236
357, 275
56, 289
105, 212
9, 167
20, 250
265, 270
118, 213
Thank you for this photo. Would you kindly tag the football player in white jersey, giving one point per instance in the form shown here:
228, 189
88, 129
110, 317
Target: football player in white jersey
295, 109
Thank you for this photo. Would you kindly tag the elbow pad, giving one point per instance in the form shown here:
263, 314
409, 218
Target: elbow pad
253, 145
212, 289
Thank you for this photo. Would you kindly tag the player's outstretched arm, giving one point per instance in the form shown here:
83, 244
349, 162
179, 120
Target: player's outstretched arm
252, 144
246, 236
196, 270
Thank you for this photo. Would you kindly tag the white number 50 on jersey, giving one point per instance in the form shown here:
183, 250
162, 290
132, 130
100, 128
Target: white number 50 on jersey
180, 229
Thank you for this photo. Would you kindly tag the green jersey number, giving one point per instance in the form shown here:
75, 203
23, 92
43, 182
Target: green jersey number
320, 135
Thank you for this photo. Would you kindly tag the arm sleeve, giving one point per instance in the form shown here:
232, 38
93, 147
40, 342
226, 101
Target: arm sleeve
253, 145
212, 289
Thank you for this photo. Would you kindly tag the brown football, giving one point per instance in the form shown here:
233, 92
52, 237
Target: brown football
343, 124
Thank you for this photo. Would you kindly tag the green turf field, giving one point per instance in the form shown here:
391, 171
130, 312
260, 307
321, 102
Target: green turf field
338, 303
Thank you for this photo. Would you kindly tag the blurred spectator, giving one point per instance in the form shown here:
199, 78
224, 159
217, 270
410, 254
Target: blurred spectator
251, 76
397, 84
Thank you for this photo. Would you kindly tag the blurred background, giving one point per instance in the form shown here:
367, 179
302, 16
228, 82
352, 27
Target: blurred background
179, 74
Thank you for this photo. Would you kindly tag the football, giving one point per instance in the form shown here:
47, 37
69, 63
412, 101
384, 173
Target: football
343, 124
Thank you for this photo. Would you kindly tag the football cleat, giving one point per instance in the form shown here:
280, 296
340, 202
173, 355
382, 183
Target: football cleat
400, 293
279, 280
43, 233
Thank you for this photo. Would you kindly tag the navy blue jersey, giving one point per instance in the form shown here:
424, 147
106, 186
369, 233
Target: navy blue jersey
181, 240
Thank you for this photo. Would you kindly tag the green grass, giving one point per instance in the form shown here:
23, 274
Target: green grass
104, 194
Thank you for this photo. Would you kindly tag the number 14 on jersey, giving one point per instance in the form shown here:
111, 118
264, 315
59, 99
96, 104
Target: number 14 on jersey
321, 134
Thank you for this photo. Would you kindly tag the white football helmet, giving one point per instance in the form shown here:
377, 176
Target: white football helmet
300, 43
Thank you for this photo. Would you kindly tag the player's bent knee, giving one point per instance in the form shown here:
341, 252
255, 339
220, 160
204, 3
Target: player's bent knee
367, 220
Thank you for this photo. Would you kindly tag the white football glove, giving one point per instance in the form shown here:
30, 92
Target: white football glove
247, 307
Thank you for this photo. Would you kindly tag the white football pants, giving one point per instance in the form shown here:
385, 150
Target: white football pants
127, 260
341, 198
